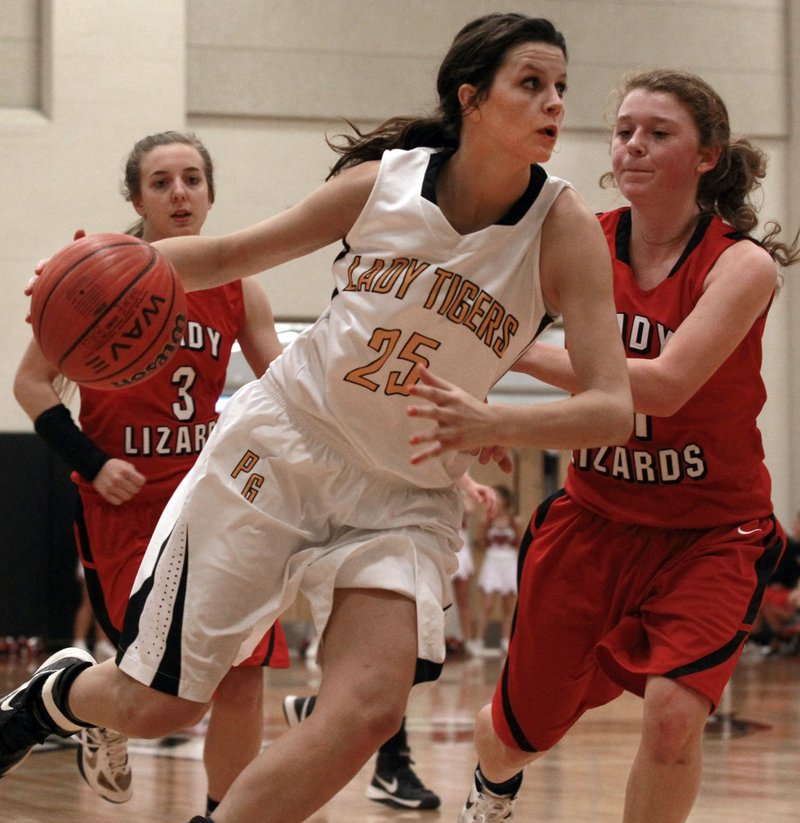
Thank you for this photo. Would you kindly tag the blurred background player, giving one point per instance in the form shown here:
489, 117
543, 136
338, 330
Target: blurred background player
497, 578
474, 495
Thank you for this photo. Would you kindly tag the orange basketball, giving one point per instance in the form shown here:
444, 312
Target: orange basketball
108, 311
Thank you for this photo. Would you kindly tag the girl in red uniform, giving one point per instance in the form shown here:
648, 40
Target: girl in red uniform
657, 551
136, 444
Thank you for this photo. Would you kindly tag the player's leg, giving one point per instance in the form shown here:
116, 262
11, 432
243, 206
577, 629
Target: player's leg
665, 777
102, 754
367, 673
105, 696
67, 693
235, 729
394, 783
498, 776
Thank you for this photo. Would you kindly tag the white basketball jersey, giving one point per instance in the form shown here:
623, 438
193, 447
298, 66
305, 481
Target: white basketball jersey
410, 289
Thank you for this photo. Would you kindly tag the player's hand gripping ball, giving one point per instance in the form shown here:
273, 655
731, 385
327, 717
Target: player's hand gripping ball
108, 311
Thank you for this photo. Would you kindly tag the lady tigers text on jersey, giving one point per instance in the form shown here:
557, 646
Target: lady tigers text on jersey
452, 296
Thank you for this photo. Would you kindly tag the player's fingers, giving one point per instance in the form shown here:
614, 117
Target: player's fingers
506, 464
423, 437
427, 412
423, 378
133, 479
31, 284
432, 394
425, 454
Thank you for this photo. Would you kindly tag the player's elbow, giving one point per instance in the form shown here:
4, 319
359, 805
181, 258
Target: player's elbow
618, 421
663, 400
24, 394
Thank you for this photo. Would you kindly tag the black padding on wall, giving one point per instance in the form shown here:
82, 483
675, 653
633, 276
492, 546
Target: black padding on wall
38, 586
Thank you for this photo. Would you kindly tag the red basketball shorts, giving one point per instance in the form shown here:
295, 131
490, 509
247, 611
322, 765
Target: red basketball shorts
603, 606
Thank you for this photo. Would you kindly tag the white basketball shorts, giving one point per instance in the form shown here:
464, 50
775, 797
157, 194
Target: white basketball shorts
278, 503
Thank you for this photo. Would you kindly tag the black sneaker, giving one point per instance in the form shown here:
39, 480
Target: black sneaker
30, 713
396, 784
297, 709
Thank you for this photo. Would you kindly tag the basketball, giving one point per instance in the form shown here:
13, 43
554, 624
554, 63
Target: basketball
108, 311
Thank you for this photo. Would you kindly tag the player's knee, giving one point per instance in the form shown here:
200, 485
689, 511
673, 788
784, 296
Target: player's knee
241, 689
675, 743
674, 720
383, 720
155, 714
672, 732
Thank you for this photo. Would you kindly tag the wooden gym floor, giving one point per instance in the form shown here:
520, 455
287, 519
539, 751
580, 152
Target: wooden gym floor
752, 758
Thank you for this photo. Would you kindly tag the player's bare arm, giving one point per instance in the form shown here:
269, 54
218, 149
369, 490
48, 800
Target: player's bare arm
738, 289
323, 217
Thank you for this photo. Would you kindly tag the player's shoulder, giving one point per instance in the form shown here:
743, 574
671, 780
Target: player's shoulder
751, 258
569, 207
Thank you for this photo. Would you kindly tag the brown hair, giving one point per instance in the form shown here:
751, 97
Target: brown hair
474, 57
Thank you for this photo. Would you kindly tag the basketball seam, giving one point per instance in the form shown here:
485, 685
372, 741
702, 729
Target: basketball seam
53, 291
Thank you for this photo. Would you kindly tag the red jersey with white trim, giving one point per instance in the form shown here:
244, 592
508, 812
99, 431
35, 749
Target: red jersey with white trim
161, 424
703, 466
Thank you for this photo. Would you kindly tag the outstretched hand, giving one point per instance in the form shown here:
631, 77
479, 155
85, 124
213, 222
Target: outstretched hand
462, 422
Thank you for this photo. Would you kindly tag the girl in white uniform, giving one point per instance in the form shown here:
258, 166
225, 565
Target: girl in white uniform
454, 258
497, 579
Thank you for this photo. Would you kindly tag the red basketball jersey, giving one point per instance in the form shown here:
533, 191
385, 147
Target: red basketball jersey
702, 467
161, 424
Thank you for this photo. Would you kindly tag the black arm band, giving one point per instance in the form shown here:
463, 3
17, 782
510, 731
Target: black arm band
57, 428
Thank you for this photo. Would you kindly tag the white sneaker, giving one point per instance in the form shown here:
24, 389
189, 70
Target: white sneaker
103, 763
484, 806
